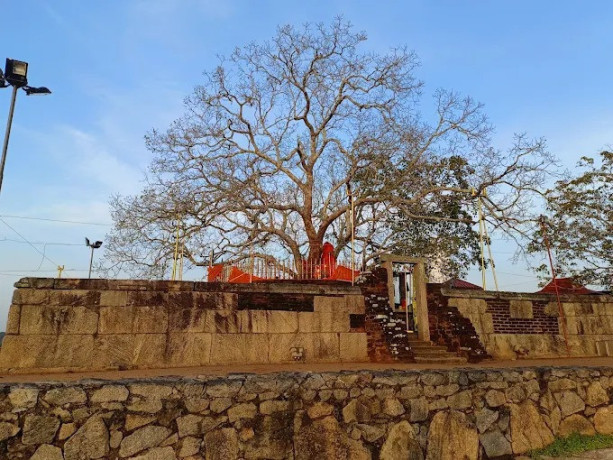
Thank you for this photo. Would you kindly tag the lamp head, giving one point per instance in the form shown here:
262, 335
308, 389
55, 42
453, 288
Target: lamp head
16, 72
94, 245
3, 82
42, 91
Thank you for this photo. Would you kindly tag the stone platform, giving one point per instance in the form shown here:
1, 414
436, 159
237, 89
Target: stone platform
57, 325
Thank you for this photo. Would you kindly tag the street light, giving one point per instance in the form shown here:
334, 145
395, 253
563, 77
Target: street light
94, 245
15, 75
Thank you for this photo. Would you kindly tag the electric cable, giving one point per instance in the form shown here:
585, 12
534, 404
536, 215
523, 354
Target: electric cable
47, 243
56, 220
31, 245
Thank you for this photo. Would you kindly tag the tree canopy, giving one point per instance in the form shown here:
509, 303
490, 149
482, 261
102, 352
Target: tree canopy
579, 223
282, 136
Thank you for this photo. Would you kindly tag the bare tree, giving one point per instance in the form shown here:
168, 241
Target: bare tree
283, 135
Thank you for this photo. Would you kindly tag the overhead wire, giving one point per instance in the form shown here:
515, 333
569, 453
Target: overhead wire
46, 243
25, 273
43, 270
517, 274
30, 244
9, 216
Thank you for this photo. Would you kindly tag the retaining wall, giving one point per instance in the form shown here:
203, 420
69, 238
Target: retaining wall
63, 324
437, 415
521, 325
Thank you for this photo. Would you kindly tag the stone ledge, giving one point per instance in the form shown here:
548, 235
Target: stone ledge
475, 374
315, 287
477, 294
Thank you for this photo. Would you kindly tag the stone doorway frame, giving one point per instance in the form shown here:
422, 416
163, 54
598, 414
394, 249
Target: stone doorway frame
419, 280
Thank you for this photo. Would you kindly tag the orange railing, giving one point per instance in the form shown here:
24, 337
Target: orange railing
266, 269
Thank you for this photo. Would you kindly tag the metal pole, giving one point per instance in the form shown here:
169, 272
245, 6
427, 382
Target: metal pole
175, 255
352, 241
410, 297
91, 261
7, 134
481, 231
555, 285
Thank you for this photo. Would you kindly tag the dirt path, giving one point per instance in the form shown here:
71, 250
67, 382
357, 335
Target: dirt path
306, 367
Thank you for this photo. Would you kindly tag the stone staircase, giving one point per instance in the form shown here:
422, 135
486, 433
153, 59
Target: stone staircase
426, 353
403, 346
387, 329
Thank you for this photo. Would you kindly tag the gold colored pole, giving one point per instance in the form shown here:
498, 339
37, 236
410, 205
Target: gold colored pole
176, 252
481, 231
489, 249
181, 259
555, 285
352, 241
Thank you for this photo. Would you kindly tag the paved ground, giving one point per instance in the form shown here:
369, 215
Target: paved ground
306, 367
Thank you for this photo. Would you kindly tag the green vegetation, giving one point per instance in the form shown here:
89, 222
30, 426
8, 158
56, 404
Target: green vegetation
574, 444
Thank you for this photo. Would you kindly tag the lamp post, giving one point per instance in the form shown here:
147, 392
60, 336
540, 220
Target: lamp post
94, 245
15, 75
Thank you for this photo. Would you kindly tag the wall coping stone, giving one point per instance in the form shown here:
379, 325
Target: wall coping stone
381, 374
478, 294
314, 287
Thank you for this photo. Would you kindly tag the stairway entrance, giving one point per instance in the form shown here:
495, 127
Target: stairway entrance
426, 353
406, 285
405, 319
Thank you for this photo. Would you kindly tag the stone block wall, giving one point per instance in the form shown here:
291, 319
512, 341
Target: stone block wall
439, 415
67, 324
521, 325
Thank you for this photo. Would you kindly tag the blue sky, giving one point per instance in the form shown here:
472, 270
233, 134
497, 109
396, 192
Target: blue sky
121, 67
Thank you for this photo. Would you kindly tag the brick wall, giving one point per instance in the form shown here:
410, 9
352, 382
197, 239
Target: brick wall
504, 323
387, 339
448, 327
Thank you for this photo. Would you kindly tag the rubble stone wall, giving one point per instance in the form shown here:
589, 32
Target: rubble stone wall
520, 325
438, 415
63, 324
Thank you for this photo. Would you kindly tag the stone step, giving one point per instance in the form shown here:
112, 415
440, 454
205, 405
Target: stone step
415, 345
430, 344
445, 360
434, 353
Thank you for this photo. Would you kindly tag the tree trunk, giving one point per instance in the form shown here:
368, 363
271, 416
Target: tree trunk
315, 250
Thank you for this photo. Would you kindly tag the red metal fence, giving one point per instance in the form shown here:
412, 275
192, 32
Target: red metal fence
264, 269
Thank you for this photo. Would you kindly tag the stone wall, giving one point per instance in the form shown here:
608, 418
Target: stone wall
521, 325
449, 328
436, 415
63, 324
